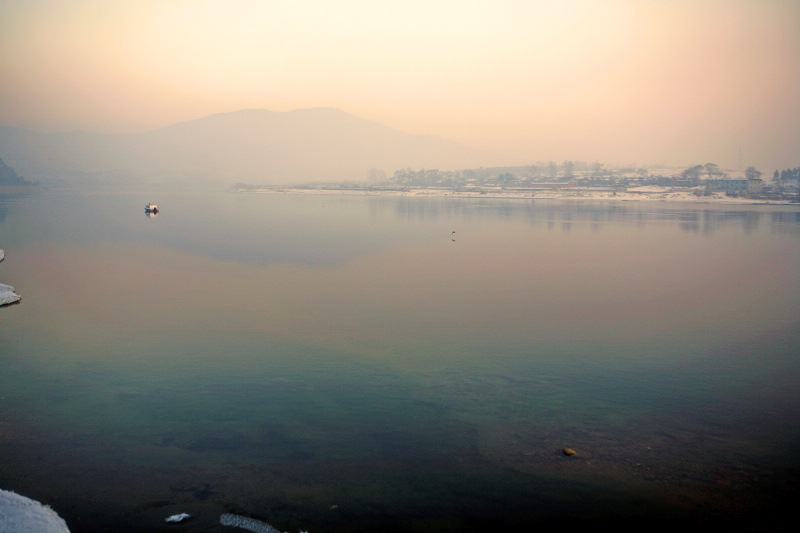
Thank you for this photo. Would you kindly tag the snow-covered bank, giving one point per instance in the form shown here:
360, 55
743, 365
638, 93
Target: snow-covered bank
7, 294
636, 194
19, 514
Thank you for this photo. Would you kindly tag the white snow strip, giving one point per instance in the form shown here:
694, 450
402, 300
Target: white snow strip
250, 524
19, 514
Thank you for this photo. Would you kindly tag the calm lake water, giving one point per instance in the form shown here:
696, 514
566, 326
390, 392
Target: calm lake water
337, 363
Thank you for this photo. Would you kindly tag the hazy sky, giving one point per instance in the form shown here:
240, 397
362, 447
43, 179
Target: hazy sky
674, 82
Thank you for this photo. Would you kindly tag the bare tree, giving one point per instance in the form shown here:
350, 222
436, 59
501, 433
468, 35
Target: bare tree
693, 173
752, 173
376, 175
569, 168
712, 170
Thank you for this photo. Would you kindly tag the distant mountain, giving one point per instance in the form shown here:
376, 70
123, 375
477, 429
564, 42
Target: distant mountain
249, 146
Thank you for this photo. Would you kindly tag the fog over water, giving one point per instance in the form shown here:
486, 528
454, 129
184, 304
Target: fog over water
334, 363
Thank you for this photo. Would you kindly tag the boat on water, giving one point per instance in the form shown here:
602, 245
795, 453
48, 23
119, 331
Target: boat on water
151, 208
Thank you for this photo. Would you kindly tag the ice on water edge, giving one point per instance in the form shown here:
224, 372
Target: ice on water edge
250, 524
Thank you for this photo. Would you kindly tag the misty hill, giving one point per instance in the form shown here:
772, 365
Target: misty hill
251, 146
8, 176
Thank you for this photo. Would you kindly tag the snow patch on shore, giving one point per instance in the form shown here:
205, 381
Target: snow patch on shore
7, 294
19, 514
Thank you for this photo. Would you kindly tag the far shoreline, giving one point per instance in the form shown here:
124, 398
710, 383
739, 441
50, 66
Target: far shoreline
638, 194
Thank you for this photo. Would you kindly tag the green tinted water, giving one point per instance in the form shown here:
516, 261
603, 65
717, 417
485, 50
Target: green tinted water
337, 363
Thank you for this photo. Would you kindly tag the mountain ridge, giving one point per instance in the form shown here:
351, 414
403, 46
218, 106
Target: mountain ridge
249, 145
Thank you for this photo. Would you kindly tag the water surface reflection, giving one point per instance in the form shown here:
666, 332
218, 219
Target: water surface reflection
342, 364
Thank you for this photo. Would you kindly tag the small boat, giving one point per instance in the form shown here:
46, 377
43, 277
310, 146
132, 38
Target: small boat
151, 208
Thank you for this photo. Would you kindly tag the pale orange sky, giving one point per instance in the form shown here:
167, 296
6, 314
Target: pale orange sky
633, 82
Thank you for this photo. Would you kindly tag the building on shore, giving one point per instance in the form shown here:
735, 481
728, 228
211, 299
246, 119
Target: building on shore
737, 185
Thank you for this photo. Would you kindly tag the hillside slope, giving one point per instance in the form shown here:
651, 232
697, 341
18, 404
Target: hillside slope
251, 146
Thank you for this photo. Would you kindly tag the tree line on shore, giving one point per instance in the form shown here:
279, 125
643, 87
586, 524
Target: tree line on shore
576, 173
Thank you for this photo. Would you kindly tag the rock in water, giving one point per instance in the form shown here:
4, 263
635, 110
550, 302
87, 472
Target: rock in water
568, 451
